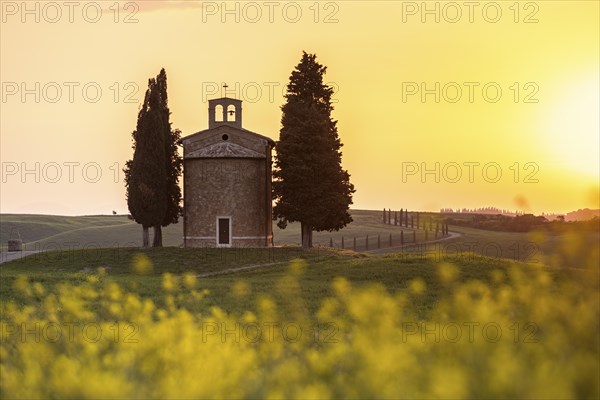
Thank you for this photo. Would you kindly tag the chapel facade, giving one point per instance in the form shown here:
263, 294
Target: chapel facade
227, 182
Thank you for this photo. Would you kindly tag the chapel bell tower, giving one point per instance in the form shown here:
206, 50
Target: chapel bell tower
224, 111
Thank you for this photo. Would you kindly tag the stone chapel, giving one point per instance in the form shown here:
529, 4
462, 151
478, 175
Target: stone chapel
227, 182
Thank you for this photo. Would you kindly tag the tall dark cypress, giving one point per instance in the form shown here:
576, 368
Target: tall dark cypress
310, 185
173, 162
145, 174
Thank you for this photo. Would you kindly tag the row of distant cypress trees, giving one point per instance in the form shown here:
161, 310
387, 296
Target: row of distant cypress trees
401, 219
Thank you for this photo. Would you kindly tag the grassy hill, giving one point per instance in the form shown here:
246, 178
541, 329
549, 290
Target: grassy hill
219, 269
45, 232
32, 227
63, 232
49, 231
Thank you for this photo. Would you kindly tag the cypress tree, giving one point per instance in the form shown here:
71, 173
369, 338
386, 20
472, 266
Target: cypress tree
145, 174
310, 185
173, 162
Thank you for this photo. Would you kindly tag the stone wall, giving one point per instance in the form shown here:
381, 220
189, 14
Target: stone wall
221, 187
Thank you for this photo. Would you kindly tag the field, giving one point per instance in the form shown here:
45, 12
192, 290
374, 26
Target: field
58, 232
43, 232
426, 322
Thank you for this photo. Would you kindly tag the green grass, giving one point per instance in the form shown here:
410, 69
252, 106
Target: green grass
56, 267
395, 272
50, 232
570, 249
106, 240
509, 245
366, 222
62, 232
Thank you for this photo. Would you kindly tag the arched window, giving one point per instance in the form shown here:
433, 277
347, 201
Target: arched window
231, 113
219, 113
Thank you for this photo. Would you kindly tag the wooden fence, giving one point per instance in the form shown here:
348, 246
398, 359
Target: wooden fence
421, 229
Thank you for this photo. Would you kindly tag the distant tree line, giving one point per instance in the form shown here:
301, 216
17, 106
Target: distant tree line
480, 210
522, 223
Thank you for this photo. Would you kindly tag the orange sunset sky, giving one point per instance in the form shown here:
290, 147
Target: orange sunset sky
498, 100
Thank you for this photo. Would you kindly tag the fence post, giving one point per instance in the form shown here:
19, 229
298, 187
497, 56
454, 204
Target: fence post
367, 242
417, 220
342, 242
384, 215
390, 240
330, 242
402, 238
412, 221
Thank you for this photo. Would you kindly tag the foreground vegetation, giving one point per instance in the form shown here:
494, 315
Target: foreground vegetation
178, 323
